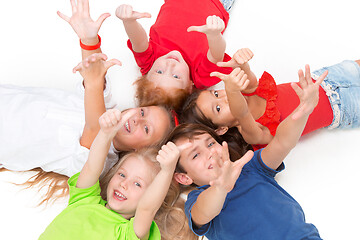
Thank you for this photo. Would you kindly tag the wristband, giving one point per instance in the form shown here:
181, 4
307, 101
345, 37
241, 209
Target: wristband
93, 47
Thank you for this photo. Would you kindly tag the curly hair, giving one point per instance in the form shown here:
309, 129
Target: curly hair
147, 94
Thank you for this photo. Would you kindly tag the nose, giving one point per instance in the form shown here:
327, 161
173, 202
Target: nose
124, 184
137, 120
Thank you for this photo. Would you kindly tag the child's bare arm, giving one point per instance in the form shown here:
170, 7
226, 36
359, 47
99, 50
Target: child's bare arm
289, 130
155, 194
110, 122
93, 70
210, 202
83, 25
134, 30
241, 59
213, 28
235, 83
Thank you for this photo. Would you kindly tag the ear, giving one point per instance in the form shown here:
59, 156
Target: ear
183, 179
221, 130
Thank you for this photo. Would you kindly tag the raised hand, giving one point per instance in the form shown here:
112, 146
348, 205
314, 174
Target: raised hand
81, 22
226, 172
214, 26
125, 13
113, 119
94, 67
235, 81
169, 155
308, 92
241, 57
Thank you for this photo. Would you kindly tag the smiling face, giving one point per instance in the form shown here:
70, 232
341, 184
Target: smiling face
214, 105
170, 72
196, 160
147, 127
128, 184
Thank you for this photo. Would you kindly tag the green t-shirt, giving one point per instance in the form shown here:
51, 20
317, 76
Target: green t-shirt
86, 217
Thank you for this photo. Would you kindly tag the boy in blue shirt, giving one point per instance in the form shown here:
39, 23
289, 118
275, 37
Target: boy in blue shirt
241, 199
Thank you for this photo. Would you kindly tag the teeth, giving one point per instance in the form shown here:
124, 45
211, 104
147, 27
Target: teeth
127, 126
120, 195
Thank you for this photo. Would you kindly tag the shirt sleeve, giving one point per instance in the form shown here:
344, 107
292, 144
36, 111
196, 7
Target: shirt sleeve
86, 195
202, 79
144, 59
259, 166
191, 199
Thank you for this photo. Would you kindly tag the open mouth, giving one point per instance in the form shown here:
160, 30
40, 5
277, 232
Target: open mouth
119, 196
174, 58
210, 166
127, 126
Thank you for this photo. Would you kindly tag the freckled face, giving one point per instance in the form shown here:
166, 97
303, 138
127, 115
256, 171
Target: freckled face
214, 105
128, 185
170, 72
146, 127
196, 160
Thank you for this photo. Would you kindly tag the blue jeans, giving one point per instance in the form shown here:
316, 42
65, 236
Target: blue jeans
342, 85
227, 4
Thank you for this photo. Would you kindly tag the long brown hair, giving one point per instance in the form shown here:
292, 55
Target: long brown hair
147, 94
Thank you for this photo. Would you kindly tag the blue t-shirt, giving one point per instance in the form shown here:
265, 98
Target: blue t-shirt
256, 208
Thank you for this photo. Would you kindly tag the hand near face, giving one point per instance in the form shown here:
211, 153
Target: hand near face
226, 172
235, 81
169, 154
112, 120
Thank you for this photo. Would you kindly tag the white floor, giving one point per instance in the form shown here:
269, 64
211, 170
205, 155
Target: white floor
39, 49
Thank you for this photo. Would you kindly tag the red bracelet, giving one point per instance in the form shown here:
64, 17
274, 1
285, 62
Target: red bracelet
93, 47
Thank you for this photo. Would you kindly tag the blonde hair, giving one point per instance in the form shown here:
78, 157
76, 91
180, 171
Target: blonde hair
147, 94
170, 218
57, 184
145, 154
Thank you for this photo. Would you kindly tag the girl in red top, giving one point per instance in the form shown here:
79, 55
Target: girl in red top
181, 51
256, 108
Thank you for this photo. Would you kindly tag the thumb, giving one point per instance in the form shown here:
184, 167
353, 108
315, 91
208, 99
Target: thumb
102, 18
125, 115
111, 63
184, 146
232, 63
139, 15
77, 68
219, 75
196, 28
244, 159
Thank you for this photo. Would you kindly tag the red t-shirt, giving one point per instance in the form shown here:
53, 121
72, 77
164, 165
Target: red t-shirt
281, 101
170, 33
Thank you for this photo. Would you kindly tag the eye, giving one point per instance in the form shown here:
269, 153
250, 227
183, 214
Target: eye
146, 129
137, 184
122, 175
195, 156
159, 72
176, 76
142, 112
216, 93
211, 144
218, 108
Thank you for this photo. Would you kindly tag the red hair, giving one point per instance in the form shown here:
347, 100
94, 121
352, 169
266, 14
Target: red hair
147, 94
